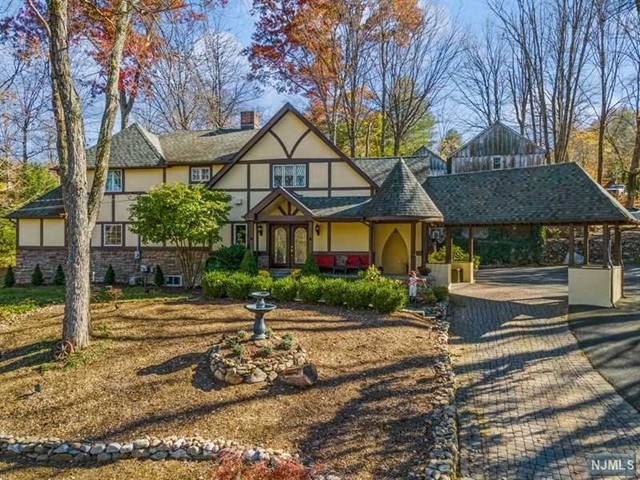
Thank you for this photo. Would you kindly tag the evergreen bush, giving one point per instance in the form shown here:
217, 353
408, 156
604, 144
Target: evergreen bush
248, 264
285, 289
334, 291
214, 284
310, 267
58, 277
388, 296
310, 289
262, 282
441, 293
239, 285
226, 258
37, 278
359, 294
110, 276
9, 277
158, 277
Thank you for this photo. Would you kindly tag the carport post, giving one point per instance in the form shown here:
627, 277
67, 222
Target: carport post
571, 245
424, 228
449, 247
617, 246
470, 244
585, 246
606, 260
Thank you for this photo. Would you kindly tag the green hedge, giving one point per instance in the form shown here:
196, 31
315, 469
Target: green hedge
383, 295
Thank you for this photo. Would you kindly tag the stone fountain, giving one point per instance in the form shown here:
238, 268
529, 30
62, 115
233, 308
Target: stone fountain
260, 308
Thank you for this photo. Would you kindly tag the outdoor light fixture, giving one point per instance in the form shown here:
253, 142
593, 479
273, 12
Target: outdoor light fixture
260, 230
317, 229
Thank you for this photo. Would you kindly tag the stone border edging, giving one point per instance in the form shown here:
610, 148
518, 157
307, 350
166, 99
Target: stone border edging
56, 450
442, 430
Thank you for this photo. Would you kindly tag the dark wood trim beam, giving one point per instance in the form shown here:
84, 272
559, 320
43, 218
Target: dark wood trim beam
606, 239
449, 243
425, 243
617, 246
412, 261
585, 245
572, 250
471, 245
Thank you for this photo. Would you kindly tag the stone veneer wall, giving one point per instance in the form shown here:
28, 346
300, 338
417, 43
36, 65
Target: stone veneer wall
123, 261
555, 250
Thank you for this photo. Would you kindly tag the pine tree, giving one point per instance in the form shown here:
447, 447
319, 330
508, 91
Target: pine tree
9, 277
158, 276
37, 278
110, 276
249, 264
58, 277
310, 267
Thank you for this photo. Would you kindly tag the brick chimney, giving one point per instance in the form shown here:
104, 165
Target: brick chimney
249, 120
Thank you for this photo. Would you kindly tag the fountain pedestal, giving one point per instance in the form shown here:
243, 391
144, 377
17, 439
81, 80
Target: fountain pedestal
260, 308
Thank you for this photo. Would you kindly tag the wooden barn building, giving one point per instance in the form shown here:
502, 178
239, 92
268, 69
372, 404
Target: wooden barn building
496, 148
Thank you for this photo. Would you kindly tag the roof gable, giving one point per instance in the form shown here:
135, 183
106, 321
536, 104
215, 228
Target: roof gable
275, 139
131, 147
497, 139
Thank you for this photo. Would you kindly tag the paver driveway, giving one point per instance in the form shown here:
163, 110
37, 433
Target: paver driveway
531, 405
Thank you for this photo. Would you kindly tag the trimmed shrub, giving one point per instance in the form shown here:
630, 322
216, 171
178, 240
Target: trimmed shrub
226, 258
158, 277
310, 267
9, 277
389, 296
296, 274
248, 264
359, 294
285, 289
110, 276
334, 291
311, 289
239, 285
426, 296
261, 282
58, 277
441, 293
37, 278
371, 274
214, 284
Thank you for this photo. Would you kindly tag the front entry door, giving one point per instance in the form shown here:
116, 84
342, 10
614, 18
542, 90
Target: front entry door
288, 245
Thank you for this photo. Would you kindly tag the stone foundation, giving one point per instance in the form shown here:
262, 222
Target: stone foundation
123, 261
556, 250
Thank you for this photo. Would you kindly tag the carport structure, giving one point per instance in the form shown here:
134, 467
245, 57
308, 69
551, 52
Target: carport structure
549, 195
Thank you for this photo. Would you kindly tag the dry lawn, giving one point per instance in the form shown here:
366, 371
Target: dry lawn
145, 374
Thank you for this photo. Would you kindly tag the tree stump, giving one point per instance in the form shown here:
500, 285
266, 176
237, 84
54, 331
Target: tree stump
301, 376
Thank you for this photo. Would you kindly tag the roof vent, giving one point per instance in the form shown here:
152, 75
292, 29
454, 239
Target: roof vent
249, 120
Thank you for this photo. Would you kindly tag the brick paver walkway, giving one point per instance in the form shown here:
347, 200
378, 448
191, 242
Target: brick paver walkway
531, 405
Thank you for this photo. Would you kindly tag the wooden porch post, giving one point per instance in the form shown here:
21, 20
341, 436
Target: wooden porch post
572, 260
585, 247
372, 244
412, 261
606, 260
310, 234
424, 230
449, 245
470, 244
617, 246
250, 240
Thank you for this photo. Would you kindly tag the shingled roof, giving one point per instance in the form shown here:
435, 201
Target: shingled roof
135, 147
548, 194
335, 207
48, 205
402, 197
379, 168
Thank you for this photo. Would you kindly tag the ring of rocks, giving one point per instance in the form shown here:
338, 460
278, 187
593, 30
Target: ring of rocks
236, 370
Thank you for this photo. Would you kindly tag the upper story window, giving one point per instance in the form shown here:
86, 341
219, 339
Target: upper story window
497, 163
114, 181
290, 175
200, 174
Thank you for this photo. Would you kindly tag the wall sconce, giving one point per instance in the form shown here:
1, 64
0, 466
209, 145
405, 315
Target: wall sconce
260, 230
317, 229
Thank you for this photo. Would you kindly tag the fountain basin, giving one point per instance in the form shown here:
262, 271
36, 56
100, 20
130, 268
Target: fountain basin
259, 309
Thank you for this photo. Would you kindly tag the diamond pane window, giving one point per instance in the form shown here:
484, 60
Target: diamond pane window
277, 175
114, 181
301, 175
290, 176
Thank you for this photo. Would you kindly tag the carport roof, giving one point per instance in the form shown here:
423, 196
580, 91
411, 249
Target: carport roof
548, 194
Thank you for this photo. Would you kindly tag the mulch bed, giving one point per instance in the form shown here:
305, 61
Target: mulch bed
146, 373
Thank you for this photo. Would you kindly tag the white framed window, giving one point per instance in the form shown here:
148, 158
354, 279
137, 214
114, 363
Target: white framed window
173, 280
290, 175
112, 235
114, 181
200, 174
240, 234
497, 163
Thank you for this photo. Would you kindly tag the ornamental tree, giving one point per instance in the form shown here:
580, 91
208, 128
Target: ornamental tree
188, 217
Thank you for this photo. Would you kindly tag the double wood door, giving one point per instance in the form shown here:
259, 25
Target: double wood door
289, 245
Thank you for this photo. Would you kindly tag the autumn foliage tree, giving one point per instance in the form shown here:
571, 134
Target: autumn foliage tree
106, 28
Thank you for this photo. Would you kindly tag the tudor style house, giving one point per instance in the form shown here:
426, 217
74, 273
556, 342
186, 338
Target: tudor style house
295, 194
496, 147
